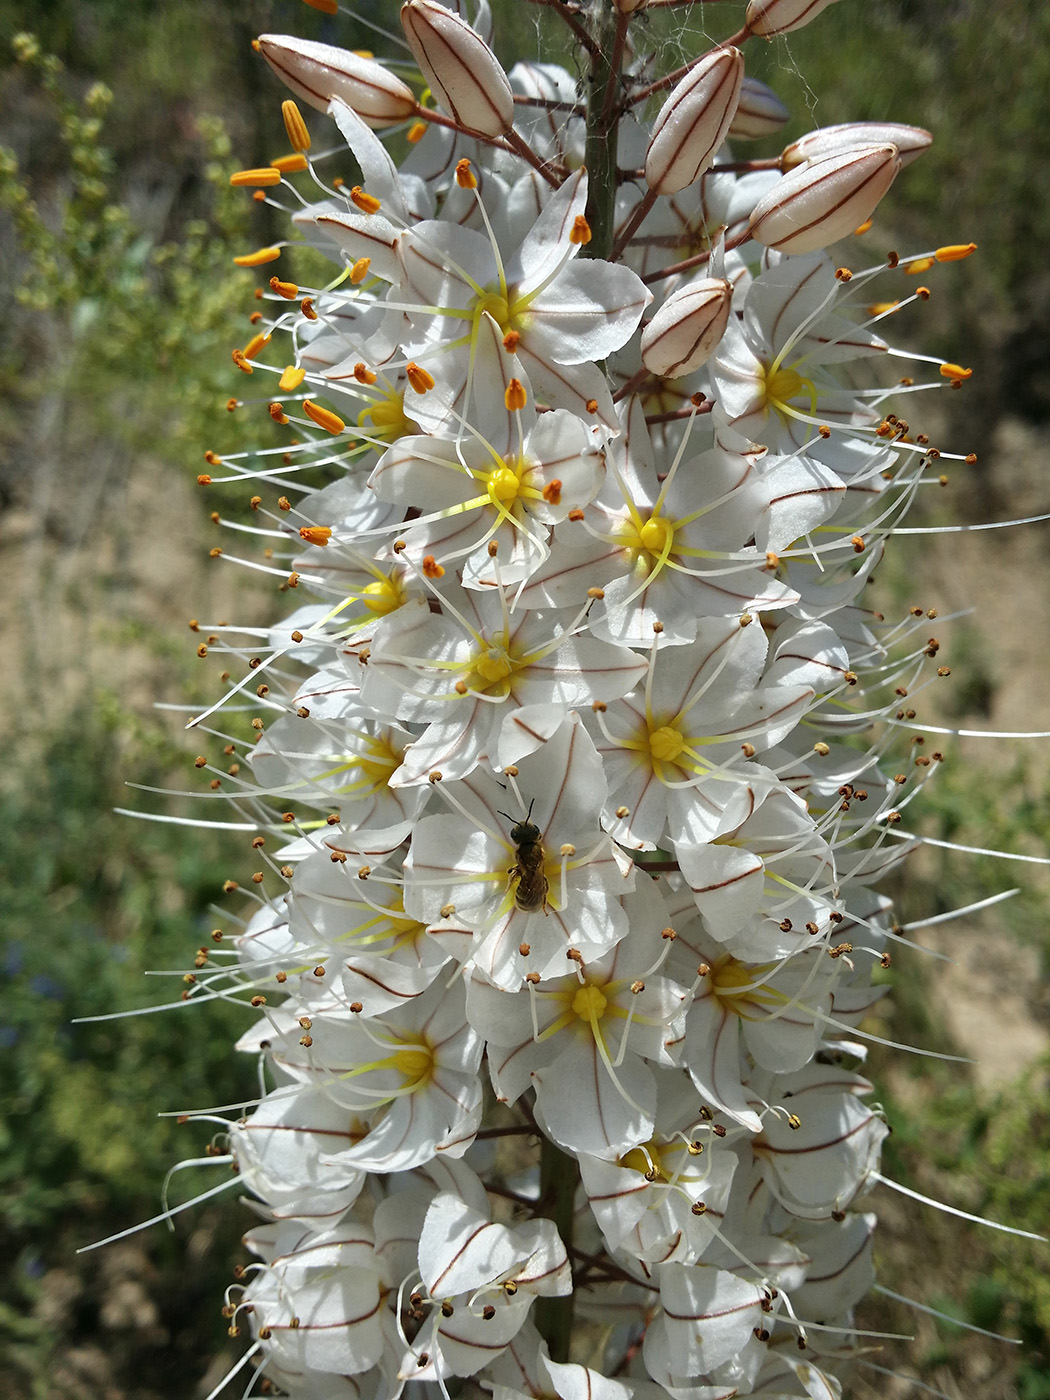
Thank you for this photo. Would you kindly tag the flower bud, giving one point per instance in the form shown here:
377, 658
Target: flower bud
462, 71
759, 112
770, 17
824, 199
910, 141
318, 72
687, 328
692, 123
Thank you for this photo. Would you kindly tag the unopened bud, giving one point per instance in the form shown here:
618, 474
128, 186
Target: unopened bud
910, 141
769, 17
692, 123
759, 112
687, 328
462, 71
824, 200
318, 72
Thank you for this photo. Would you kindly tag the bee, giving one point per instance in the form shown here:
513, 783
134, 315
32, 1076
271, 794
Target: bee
530, 894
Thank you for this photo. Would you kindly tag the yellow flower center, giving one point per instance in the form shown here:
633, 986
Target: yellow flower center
379, 761
387, 417
493, 665
382, 596
415, 1064
504, 485
782, 385
646, 1161
497, 307
666, 743
589, 1004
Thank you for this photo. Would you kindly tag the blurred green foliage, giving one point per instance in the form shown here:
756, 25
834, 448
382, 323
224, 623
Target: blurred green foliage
119, 126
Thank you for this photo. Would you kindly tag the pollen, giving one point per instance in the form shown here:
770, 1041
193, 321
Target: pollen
298, 136
367, 203
316, 534
292, 377
955, 252
265, 175
324, 418
955, 373
666, 743
514, 395
420, 379
580, 231
256, 259
431, 567
290, 165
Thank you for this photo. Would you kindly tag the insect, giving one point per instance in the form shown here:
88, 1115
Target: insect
532, 884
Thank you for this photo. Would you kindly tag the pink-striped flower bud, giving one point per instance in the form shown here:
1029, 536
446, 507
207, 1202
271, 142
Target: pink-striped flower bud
910, 141
759, 112
769, 17
318, 72
462, 71
687, 328
824, 200
692, 123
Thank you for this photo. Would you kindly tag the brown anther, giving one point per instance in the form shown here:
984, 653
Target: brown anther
306, 306
202, 651
232, 405
637, 987
668, 934
278, 414
493, 548
574, 955
592, 405
511, 341
434, 776
786, 926
524, 949
698, 1208
599, 707
843, 274
577, 514
923, 293
532, 978
623, 812
858, 544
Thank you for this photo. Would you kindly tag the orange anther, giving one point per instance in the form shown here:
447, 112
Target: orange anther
580, 231
431, 567
552, 492
359, 271
291, 379
465, 177
514, 395
955, 373
256, 259
955, 252
367, 203
289, 165
416, 132
324, 418
316, 534
288, 290
278, 414
298, 136
363, 374
420, 379
307, 308
254, 346
264, 175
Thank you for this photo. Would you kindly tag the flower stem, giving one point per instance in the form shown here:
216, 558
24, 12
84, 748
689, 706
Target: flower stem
608, 28
559, 1177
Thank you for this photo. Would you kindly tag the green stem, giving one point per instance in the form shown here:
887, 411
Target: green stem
608, 28
559, 1177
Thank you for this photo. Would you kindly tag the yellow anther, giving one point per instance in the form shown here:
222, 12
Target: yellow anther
918, 265
881, 308
431, 567
298, 136
254, 346
504, 484
291, 379
420, 379
955, 252
656, 534
288, 290
290, 165
367, 203
256, 259
237, 356
359, 271
264, 175
514, 395
863, 228
580, 231
363, 374
324, 418
416, 132
316, 534
666, 743
465, 177
955, 373
589, 1003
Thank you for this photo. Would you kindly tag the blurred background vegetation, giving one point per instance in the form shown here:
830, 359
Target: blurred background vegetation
119, 124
